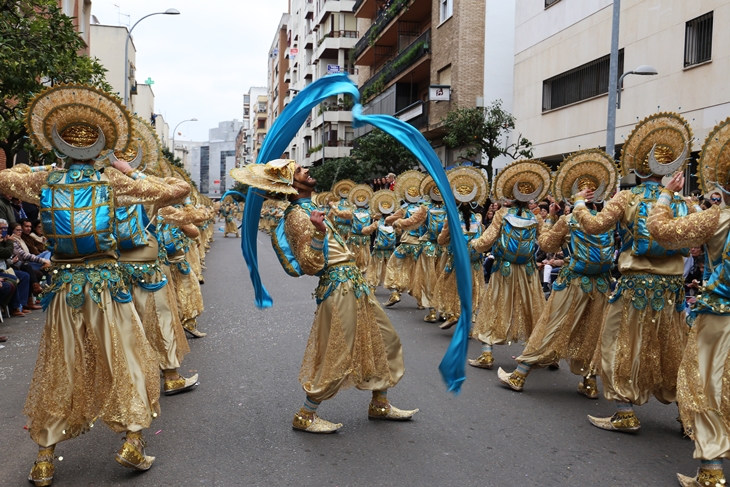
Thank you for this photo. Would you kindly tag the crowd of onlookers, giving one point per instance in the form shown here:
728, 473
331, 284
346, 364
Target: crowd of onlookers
388, 182
24, 260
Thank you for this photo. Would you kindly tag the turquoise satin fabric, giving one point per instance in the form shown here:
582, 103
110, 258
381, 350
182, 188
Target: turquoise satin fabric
283, 131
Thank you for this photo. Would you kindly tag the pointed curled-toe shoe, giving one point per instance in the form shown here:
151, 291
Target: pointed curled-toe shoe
484, 361
176, 386
588, 388
389, 412
627, 422
132, 454
42, 473
704, 478
311, 423
515, 380
193, 330
451, 321
394, 298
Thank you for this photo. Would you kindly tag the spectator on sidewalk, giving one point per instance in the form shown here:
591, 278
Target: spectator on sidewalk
13, 280
25, 258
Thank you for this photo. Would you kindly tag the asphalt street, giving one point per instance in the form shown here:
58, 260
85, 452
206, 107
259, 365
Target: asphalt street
235, 428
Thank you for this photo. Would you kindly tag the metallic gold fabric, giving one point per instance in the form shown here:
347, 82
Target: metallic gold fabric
510, 307
691, 231
641, 350
569, 328
231, 227
93, 363
425, 275
378, 266
193, 257
447, 295
187, 289
399, 271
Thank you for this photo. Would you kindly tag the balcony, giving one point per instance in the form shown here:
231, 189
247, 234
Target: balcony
309, 9
334, 149
327, 7
411, 55
333, 116
287, 76
418, 10
415, 114
333, 41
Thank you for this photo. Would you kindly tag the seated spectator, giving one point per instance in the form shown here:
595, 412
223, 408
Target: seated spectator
13, 280
24, 259
18, 209
37, 233
33, 246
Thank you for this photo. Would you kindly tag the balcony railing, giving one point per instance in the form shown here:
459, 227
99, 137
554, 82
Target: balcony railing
381, 22
415, 51
415, 114
357, 5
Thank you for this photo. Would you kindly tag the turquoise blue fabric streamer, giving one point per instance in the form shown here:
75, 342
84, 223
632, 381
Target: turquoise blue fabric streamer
284, 129
232, 192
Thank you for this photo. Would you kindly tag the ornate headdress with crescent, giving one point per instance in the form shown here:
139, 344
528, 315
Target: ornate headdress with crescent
592, 168
714, 162
360, 195
468, 185
658, 145
522, 180
342, 188
384, 202
407, 186
428, 188
78, 121
144, 147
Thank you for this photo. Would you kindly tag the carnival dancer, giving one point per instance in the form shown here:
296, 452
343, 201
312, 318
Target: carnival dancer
142, 270
570, 325
431, 259
228, 212
352, 342
94, 361
358, 242
703, 373
383, 203
470, 188
642, 337
513, 300
409, 218
341, 189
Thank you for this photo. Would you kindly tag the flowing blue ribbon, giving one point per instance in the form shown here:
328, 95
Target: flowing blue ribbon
232, 192
284, 129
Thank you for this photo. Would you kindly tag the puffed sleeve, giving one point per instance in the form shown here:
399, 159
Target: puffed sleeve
148, 189
552, 236
490, 235
371, 228
183, 216
444, 237
21, 182
344, 214
692, 230
307, 242
605, 219
400, 213
414, 221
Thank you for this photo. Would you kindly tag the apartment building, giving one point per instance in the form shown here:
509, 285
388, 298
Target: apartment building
80, 12
260, 125
420, 59
561, 69
211, 161
246, 141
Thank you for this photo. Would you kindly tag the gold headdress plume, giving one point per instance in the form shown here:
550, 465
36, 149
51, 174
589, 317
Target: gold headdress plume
658, 145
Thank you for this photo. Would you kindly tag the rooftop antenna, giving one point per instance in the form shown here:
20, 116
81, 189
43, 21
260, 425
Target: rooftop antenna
120, 15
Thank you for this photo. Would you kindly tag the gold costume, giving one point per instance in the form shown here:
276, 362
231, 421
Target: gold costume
643, 337
94, 361
513, 300
402, 264
352, 342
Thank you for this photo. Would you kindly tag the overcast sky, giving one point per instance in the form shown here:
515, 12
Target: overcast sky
203, 60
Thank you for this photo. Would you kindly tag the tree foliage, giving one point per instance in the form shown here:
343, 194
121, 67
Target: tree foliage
38, 47
383, 154
484, 130
335, 169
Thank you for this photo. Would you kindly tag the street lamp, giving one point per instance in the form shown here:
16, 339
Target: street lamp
169, 11
175, 132
643, 70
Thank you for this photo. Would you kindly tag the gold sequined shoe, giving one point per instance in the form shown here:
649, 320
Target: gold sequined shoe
703, 478
588, 388
311, 423
627, 422
192, 329
449, 323
181, 384
485, 361
389, 412
431, 317
132, 453
42, 472
394, 298
515, 380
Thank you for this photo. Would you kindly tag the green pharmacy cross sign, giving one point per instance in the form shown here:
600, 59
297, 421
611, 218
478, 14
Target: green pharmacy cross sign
149, 81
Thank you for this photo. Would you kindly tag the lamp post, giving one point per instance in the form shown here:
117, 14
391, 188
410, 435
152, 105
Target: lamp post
169, 11
643, 70
175, 132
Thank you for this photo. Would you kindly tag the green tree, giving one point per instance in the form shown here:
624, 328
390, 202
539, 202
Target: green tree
483, 130
38, 47
382, 154
335, 169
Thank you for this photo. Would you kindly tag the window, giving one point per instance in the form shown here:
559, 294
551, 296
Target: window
444, 76
698, 40
447, 9
550, 3
581, 83
204, 168
224, 170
